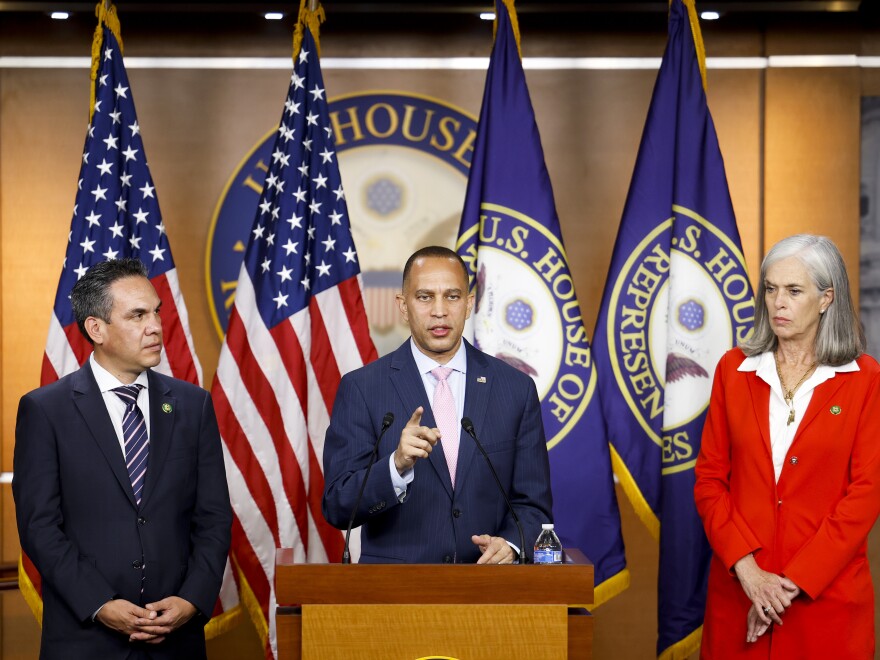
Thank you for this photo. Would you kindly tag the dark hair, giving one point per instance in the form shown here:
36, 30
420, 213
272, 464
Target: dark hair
91, 294
840, 338
433, 252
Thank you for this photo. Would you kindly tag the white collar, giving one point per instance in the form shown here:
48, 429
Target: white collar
765, 363
425, 364
107, 381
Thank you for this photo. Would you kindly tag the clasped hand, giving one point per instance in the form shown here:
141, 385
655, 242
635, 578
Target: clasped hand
771, 595
151, 623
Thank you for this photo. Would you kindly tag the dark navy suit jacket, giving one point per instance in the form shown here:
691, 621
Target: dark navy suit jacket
434, 523
79, 524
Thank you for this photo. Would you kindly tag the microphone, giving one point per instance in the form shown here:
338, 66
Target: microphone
387, 421
468, 426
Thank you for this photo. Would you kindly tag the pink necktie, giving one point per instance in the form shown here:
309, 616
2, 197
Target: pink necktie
446, 417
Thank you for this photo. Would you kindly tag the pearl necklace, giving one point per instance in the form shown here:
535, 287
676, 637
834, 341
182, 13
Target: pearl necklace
788, 394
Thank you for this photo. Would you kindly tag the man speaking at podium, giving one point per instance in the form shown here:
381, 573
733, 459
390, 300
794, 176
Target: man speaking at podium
430, 498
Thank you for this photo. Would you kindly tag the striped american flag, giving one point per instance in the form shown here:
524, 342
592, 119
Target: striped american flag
298, 323
115, 215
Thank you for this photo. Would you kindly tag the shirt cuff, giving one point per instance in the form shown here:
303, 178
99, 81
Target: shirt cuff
95, 615
515, 551
399, 481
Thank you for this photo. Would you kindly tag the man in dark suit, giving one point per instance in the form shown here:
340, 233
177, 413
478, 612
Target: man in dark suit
431, 498
120, 489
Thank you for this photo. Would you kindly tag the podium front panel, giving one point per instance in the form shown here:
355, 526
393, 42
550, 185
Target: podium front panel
408, 632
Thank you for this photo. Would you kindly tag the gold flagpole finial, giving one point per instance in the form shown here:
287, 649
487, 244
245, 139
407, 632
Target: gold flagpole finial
698, 38
311, 15
514, 24
106, 13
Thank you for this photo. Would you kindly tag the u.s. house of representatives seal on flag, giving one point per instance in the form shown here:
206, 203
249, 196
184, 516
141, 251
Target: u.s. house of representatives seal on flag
676, 298
673, 313
526, 312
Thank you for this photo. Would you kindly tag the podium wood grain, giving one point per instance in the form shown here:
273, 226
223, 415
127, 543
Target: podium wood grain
514, 632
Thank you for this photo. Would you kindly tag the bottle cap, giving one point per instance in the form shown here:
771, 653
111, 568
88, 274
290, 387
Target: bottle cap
547, 526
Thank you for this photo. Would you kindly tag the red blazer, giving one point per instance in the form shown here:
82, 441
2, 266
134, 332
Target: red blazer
811, 526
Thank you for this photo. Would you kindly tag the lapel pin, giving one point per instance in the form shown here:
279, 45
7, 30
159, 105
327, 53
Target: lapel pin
835, 410
481, 379
166, 408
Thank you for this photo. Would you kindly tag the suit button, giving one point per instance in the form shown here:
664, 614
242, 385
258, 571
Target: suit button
137, 563
447, 559
456, 513
779, 503
142, 521
793, 460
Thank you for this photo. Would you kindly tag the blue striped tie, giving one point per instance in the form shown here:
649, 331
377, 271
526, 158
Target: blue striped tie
134, 433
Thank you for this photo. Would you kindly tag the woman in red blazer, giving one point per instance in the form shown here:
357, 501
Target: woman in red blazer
788, 475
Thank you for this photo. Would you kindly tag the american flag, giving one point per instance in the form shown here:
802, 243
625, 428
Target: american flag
116, 215
298, 324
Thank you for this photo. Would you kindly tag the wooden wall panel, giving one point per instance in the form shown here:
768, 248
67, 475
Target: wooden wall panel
735, 101
811, 170
43, 115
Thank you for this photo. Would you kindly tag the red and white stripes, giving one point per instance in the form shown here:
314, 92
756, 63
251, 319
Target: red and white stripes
274, 393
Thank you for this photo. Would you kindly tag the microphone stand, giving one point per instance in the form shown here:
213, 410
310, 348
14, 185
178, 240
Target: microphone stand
468, 426
387, 421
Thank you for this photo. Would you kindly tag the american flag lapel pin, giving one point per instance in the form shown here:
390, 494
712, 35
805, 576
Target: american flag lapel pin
481, 379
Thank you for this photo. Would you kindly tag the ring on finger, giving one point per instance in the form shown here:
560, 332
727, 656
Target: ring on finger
766, 610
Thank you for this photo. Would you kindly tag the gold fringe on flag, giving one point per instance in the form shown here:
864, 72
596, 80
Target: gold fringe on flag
514, 24
698, 38
29, 592
611, 587
223, 623
106, 13
684, 648
311, 18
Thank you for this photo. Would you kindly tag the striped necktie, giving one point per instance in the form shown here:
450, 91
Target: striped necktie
134, 435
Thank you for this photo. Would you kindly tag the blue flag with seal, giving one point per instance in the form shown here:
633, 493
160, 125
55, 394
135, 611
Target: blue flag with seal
526, 311
677, 297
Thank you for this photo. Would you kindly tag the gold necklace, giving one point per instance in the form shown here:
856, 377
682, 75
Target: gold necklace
787, 394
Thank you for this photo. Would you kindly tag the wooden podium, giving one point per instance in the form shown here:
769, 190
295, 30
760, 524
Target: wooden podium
417, 611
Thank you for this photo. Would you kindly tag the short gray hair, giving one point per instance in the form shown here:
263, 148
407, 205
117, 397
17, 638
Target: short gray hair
840, 338
90, 296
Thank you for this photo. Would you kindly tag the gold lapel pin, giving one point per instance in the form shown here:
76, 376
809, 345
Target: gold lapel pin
166, 408
835, 410
481, 379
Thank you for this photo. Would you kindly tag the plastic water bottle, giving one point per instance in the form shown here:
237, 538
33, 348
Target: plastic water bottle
548, 549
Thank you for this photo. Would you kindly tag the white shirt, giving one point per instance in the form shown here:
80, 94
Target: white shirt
781, 432
457, 382
115, 405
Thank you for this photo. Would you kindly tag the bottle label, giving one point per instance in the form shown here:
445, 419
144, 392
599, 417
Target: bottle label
548, 556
